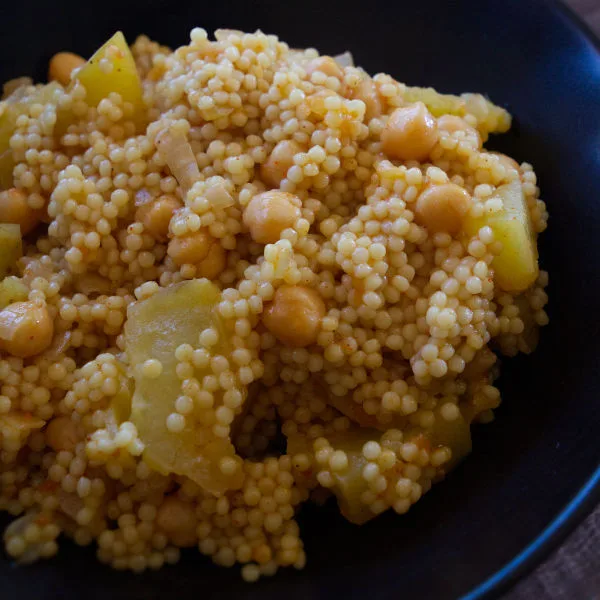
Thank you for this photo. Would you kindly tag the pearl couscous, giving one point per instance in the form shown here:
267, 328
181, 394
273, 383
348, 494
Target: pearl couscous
237, 277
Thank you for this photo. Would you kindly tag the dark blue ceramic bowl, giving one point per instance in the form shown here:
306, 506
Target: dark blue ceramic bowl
533, 473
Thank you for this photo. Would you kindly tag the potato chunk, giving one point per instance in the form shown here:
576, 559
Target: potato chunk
155, 328
455, 434
438, 104
112, 69
490, 118
349, 485
516, 267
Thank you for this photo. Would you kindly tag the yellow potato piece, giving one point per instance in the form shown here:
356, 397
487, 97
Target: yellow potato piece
10, 246
516, 267
154, 329
454, 434
350, 485
437, 104
490, 118
120, 76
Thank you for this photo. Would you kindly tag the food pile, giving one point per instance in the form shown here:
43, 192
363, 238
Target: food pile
237, 277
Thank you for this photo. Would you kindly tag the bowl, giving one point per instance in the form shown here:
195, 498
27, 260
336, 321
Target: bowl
533, 472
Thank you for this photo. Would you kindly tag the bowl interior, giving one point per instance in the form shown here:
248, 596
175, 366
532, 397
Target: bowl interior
526, 56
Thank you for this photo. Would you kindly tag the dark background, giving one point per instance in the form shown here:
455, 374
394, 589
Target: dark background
544, 445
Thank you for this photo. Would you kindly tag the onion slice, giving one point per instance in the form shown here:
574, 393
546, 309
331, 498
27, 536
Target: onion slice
60, 344
344, 60
176, 151
219, 197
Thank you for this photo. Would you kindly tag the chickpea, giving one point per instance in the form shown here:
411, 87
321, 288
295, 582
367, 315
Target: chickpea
190, 249
178, 520
326, 65
367, 91
26, 328
452, 123
214, 263
275, 168
442, 207
269, 213
294, 316
15, 209
62, 65
410, 133
61, 434
156, 215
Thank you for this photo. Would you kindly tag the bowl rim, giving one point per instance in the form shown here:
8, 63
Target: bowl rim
586, 499
588, 496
